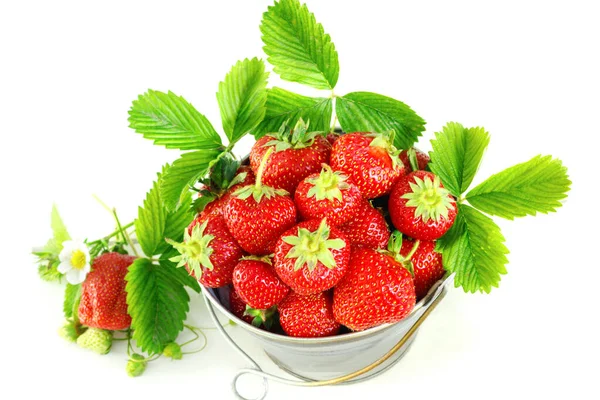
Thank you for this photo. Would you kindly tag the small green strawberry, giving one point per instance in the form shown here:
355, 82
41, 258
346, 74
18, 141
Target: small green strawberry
97, 340
173, 350
136, 365
70, 331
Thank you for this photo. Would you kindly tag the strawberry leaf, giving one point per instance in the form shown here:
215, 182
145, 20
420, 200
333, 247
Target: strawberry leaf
59, 234
284, 106
242, 97
157, 302
474, 249
537, 185
457, 153
169, 120
183, 173
371, 112
71, 302
298, 47
155, 222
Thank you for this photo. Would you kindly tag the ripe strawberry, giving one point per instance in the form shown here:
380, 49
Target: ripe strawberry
257, 215
367, 227
420, 207
308, 315
297, 154
244, 176
237, 306
263, 319
421, 158
312, 257
327, 195
376, 290
370, 160
208, 251
426, 264
257, 284
103, 298
332, 137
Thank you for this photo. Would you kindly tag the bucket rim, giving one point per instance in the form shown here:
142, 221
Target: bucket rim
433, 293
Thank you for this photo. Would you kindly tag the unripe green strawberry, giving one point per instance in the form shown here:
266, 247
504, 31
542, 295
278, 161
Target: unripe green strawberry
136, 365
70, 331
97, 340
173, 350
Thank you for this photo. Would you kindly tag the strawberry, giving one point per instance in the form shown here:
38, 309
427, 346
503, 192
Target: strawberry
376, 290
327, 195
237, 306
257, 215
97, 340
136, 365
208, 251
297, 154
426, 264
103, 298
421, 207
421, 158
367, 227
217, 199
332, 137
312, 257
370, 160
257, 284
308, 315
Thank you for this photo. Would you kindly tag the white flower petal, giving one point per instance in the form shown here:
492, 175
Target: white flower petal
64, 267
74, 276
86, 268
82, 275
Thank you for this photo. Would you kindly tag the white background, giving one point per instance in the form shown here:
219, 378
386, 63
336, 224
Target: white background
527, 71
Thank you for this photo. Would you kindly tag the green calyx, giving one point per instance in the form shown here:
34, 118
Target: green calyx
266, 259
194, 250
328, 185
258, 191
430, 199
393, 250
312, 247
261, 317
385, 141
293, 138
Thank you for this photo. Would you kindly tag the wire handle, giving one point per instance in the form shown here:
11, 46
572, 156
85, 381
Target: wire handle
257, 371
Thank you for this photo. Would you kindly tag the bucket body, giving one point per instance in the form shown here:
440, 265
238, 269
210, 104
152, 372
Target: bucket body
330, 357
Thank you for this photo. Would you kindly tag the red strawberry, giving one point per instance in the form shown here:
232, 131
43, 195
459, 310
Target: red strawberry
308, 316
257, 215
332, 137
370, 160
421, 157
420, 207
103, 302
327, 195
426, 264
237, 306
297, 155
208, 251
263, 319
243, 177
257, 284
376, 290
312, 257
367, 227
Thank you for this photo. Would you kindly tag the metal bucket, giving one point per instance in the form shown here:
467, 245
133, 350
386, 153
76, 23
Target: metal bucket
345, 358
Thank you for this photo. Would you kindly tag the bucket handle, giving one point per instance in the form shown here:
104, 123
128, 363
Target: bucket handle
257, 371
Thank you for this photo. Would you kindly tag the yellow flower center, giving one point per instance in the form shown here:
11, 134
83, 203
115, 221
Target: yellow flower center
78, 259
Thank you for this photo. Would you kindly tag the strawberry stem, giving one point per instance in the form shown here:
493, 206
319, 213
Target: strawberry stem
413, 250
261, 169
125, 234
412, 158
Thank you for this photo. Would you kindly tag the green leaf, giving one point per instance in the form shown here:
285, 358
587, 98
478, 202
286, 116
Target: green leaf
182, 174
169, 120
48, 271
242, 97
176, 223
474, 249
150, 223
457, 153
59, 233
537, 185
298, 47
285, 106
157, 302
72, 296
371, 112
181, 274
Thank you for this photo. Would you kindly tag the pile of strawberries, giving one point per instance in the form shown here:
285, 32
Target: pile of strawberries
298, 238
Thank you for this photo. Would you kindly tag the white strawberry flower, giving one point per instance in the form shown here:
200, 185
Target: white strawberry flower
74, 261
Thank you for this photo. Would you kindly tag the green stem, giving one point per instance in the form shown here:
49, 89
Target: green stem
412, 158
413, 250
118, 231
203, 345
261, 169
125, 234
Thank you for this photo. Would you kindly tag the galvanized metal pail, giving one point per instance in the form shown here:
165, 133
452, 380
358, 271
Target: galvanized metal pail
345, 358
